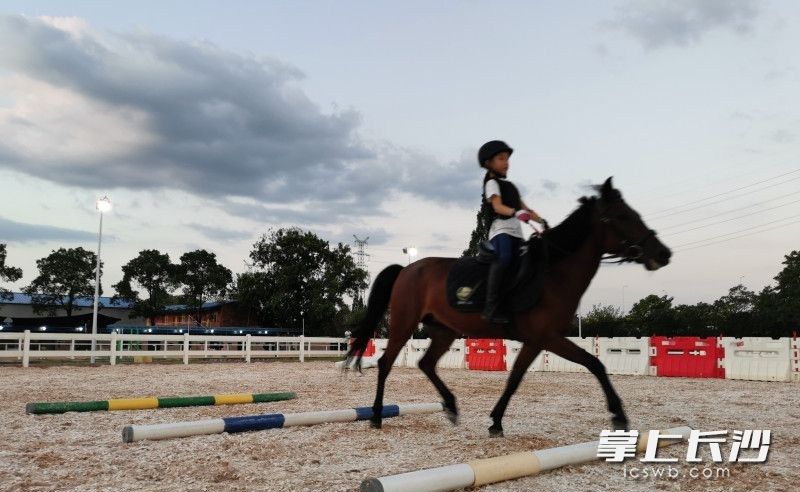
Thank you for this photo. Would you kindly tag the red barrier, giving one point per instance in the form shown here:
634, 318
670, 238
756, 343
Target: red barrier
486, 354
370, 349
687, 357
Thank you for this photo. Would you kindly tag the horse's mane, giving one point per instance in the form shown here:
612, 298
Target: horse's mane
572, 232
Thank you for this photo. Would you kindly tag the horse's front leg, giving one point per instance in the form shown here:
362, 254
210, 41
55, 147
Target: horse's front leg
527, 354
567, 349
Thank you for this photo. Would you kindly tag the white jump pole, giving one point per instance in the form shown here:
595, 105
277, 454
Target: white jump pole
497, 469
132, 433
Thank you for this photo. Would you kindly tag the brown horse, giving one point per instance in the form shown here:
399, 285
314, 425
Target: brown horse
602, 225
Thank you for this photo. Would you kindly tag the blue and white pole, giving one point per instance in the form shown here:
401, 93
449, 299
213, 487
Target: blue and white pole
132, 433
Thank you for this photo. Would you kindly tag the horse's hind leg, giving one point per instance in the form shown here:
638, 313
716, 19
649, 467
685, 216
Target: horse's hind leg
568, 350
526, 356
401, 326
441, 339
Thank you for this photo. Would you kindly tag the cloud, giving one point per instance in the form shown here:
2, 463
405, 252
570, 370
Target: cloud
139, 111
660, 23
457, 183
782, 136
779, 73
550, 187
12, 231
220, 234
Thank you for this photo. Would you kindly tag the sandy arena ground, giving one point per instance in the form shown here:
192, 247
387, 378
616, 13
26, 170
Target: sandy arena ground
84, 451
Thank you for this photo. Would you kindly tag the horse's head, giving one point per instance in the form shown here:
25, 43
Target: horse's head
626, 236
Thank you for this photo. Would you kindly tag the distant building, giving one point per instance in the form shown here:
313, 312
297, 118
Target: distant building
214, 315
219, 317
20, 306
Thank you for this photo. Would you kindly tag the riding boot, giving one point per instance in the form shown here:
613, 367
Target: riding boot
494, 284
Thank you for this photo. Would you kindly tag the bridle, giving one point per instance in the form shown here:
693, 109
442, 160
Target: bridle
631, 250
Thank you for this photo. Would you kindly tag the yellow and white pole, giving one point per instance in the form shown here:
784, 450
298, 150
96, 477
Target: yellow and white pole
497, 469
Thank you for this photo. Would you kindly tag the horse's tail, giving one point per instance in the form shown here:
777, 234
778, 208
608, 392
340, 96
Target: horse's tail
376, 307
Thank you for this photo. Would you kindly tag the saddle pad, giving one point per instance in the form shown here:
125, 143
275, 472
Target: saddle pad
466, 284
466, 281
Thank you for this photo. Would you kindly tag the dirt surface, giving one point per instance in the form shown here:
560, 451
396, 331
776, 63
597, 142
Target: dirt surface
84, 451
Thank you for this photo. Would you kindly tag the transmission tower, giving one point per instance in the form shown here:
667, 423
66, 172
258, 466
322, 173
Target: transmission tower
361, 258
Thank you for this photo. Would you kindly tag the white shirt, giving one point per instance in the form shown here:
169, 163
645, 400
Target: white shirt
511, 226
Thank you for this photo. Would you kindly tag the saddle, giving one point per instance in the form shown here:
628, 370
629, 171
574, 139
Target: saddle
466, 280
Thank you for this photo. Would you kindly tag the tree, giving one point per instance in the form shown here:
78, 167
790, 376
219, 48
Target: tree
733, 312
253, 291
483, 219
299, 275
788, 290
652, 314
202, 279
695, 319
767, 314
65, 276
604, 321
152, 272
738, 300
7, 273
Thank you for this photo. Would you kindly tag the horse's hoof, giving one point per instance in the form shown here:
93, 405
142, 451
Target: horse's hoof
452, 416
620, 423
375, 424
495, 431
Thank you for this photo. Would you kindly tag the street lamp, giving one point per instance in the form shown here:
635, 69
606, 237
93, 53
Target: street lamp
411, 251
103, 205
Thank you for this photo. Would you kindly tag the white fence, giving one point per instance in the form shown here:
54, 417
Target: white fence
512, 351
758, 359
555, 363
26, 346
625, 355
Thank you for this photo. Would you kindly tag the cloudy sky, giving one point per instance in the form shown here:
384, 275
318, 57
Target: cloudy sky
207, 125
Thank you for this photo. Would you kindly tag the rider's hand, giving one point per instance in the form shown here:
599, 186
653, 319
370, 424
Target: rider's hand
523, 215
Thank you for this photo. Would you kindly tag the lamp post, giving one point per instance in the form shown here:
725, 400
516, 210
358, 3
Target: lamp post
303, 337
623, 298
103, 205
411, 251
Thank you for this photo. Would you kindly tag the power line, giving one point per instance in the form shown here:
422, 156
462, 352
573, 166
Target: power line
723, 200
729, 191
687, 222
679, 184
738, 237
736, 232
728, 220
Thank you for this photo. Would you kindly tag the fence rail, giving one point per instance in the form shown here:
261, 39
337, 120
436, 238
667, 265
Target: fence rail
26, 346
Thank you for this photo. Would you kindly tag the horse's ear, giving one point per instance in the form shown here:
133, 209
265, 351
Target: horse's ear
607, 191
607, 187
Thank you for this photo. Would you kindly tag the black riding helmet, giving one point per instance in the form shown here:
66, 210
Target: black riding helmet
491, 149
